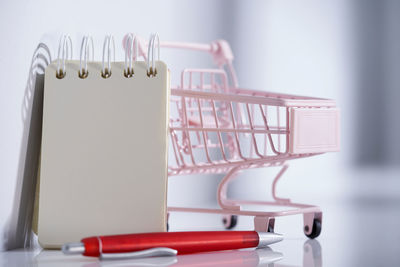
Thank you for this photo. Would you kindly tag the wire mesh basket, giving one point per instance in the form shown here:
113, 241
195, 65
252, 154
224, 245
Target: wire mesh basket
217, 127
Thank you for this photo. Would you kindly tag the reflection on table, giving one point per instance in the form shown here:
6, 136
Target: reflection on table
311, 250
249, 257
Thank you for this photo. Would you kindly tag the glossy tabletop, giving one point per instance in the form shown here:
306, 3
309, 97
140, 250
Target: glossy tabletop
359, 229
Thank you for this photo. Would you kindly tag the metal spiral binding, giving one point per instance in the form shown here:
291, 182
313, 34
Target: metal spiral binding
87, 51
64, 52
106, 71
131, 54
84, 56
151, 70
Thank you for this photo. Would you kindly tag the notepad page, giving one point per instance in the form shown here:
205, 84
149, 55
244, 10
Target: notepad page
104, 153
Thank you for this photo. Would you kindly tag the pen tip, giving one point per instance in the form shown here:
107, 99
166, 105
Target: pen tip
73, 248
266, 238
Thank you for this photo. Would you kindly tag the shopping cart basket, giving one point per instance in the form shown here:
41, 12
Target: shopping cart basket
217, 127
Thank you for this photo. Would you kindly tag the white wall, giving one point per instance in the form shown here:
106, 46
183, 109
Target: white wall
303, 48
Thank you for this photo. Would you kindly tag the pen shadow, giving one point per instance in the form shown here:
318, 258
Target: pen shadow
18, 229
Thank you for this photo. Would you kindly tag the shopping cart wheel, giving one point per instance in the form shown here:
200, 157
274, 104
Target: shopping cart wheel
316, 229
168, 222
229, 221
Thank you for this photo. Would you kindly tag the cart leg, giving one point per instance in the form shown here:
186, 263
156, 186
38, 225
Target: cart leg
264, 224
312, 224
277, 177
223, 202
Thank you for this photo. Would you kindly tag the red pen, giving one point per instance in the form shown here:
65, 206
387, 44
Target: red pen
168, 243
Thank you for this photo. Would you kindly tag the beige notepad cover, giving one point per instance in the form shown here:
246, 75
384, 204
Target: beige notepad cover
104, 153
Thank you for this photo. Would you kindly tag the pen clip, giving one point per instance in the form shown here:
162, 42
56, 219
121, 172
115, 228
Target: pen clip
151, 252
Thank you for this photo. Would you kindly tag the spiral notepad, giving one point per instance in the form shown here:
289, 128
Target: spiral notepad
104, 145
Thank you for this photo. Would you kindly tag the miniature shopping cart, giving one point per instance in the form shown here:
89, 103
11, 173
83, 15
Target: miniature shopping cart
217, 127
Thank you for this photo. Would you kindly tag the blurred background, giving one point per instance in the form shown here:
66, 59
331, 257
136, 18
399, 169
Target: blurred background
346, 50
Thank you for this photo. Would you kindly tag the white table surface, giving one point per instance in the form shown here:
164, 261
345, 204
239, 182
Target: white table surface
359, 229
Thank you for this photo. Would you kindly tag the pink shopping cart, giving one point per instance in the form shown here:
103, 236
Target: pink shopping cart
217, 127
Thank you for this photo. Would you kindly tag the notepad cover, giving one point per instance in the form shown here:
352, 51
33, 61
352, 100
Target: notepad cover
104, 153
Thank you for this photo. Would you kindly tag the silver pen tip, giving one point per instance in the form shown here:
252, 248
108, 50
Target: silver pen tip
266, 238
73, 248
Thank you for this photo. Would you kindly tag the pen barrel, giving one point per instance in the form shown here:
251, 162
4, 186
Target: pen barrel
183, 242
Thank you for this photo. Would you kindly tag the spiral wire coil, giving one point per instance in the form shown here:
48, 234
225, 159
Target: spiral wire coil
84, 56
151, 69
64, 52
132, 44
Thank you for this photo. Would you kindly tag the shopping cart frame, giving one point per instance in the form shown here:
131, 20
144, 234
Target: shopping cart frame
231, 208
